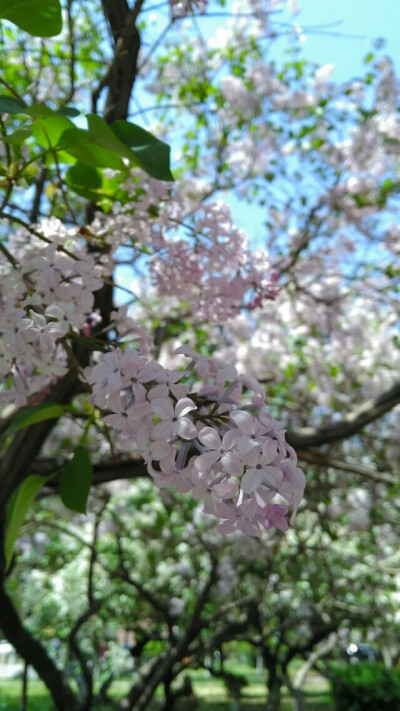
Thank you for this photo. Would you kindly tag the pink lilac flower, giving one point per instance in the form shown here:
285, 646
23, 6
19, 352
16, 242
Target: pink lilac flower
218, 450
243, 461
260, 469
173, 419
274, 515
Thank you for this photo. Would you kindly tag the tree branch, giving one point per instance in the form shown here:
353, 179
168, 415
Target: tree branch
93, 607
324, 460
35, 655
351, 424
121, 74
28, 442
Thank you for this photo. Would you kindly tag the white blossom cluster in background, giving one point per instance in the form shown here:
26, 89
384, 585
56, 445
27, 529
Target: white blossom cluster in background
204, 429
43, 295
180, 8
202, 259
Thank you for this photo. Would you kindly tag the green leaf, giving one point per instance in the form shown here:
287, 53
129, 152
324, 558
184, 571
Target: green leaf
36, 110
41, 18
47, 131
10, 105
150, 154
102, 146
83, 176
101, 134
90, 183
81, 144
18, 507
17, 137
76, 480
69, 111
31, 415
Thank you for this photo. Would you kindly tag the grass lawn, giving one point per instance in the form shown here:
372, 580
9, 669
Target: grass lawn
210, 692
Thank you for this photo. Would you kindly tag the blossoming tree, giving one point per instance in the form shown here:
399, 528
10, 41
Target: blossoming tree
144, 587
138, 326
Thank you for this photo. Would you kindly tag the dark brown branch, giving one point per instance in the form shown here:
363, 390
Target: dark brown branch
123, 573
143, 679
351, 424
324, 460
103, 472
121, 74
93, 607
72, 59
35, 655
110, 471
167, 669
27, 443
40, 181
309, 232
76, 650
317, 636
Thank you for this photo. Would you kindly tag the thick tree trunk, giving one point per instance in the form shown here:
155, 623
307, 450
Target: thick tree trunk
123, 70
299, 699
36, 656
274, 697
24, 690
23, 450
150, 676
28, 442
274, 690
169, 696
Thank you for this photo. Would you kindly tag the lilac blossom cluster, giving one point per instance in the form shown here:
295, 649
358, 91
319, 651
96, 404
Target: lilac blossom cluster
205, 430
200, 259
42, 299
180, 8
213, 268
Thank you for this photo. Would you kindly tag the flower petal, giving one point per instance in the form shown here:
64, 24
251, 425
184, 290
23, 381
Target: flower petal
164, 408
251, 480
162, 430
269, 451
184, 406
232, 464
227, 526
206, 460
243, 420
210, 438
272, 476
185, 428
229, 439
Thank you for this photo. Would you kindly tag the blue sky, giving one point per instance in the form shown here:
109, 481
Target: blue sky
355, 24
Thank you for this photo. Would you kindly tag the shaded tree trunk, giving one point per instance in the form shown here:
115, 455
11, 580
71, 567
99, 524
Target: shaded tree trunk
36, 656
24, 690
299, 699
122, 72
296, 687
274, 686
169, 696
